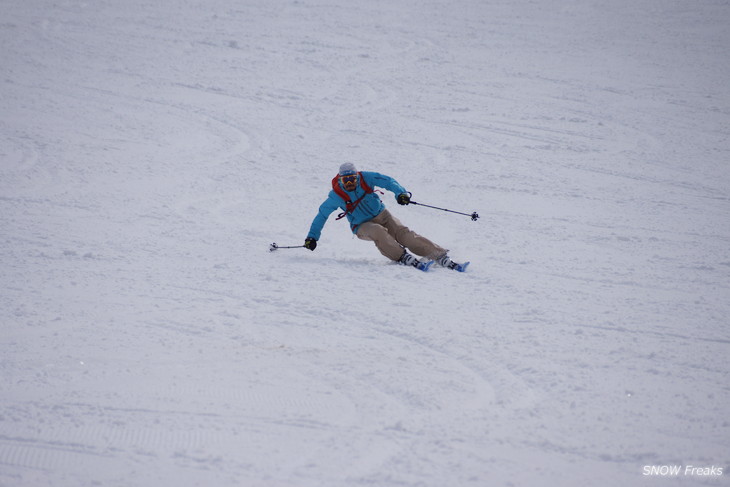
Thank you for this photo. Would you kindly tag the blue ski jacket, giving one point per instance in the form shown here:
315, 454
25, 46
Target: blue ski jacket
369, 207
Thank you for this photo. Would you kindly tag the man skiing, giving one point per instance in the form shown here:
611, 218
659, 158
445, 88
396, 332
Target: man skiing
353, 192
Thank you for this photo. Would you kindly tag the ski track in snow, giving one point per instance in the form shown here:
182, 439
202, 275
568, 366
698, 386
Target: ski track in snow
150, 152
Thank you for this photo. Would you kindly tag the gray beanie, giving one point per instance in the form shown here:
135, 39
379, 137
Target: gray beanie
347, 168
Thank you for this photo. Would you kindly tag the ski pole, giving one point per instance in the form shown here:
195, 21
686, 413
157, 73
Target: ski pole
473, 216
273, 247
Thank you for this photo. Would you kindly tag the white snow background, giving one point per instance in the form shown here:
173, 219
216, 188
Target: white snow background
150, 151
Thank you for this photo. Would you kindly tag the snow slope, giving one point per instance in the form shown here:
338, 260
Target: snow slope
150, 151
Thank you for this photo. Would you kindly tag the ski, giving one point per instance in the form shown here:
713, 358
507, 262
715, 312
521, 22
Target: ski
424, 266
460, 267
457, 267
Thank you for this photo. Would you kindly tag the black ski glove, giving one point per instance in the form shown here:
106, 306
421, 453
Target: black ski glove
404, 199
310, 243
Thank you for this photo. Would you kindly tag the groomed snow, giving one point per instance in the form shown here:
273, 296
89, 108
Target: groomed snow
150, 151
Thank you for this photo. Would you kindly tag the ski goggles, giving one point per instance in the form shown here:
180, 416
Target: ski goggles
350, 178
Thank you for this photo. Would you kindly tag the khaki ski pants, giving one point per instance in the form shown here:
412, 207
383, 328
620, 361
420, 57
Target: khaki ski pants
390, 236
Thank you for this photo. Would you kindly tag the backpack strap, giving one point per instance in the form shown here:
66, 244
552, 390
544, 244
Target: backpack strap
349, 204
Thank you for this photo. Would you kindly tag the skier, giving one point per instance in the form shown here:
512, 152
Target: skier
353, 192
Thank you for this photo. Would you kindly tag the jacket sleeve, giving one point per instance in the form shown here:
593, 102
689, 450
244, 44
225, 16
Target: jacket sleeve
329, 205
384, 181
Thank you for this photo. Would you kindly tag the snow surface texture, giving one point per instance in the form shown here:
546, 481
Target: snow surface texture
150, 151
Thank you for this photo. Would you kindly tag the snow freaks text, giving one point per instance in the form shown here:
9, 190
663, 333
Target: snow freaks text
682, 470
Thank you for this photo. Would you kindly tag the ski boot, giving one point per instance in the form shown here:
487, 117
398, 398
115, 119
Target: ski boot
445, 261
408, 259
